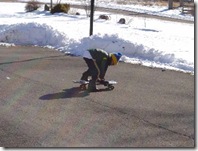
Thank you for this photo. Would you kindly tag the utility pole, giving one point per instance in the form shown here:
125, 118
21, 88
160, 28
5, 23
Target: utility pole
91, 18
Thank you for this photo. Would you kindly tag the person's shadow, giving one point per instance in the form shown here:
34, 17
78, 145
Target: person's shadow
66, 93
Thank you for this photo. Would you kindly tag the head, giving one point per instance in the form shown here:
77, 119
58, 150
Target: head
115, 57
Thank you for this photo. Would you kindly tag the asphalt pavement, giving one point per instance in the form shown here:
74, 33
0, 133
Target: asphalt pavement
40, 106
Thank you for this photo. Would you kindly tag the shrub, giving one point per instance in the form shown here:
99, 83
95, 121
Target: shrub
46, 7
60, 8
104, 17
32, 6
122, 21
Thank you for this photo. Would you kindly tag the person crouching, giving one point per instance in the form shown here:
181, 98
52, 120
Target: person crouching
98, 61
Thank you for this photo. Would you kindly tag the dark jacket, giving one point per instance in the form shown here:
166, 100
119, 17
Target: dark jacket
103, 60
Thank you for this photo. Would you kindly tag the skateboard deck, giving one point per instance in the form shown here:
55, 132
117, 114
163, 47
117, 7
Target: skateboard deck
81, 81
109, 84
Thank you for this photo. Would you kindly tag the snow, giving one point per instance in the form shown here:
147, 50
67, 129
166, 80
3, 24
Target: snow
145, 41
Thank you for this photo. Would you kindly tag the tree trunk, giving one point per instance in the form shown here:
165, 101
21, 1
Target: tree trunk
170, 4
181, 3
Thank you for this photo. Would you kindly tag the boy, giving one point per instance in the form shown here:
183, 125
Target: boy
98, 61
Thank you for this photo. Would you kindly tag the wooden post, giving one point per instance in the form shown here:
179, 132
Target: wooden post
170, 4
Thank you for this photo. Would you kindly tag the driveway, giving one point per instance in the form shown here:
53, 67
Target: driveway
40, 106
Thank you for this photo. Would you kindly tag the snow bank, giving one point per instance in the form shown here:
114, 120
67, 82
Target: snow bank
132, 52
32, 34
46, 36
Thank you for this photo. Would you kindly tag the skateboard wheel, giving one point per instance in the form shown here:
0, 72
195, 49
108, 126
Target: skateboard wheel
106, 84
83, 87
110, 87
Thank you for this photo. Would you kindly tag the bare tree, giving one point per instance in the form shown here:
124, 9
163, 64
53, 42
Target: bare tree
51, 3
58, 2
87, 6
181, 3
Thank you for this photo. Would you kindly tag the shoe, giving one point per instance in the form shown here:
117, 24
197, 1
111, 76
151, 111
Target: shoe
92, 86
93, 90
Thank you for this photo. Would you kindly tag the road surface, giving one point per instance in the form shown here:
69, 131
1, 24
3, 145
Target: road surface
40, 106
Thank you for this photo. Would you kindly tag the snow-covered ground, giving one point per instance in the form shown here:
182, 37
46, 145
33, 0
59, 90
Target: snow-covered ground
118, 4
150, 42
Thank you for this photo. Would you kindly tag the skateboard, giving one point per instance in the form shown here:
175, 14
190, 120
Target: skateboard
109, 84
